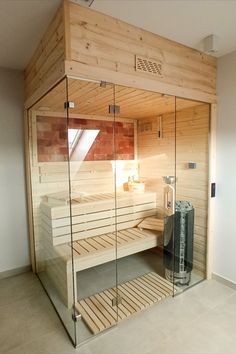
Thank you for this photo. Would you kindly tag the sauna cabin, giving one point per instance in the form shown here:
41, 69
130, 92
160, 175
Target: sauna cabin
120, 154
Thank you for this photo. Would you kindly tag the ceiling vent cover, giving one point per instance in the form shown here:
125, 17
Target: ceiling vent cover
149, 66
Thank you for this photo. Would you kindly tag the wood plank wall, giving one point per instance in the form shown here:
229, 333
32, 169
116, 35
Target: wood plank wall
47, 64
156, 159
85, 43
102, 42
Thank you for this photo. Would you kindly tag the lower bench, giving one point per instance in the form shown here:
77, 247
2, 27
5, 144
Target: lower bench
101, 249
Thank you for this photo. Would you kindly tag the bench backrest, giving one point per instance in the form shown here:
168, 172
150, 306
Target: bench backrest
95, 215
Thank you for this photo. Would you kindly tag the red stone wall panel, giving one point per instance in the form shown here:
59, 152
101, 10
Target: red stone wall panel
52, 139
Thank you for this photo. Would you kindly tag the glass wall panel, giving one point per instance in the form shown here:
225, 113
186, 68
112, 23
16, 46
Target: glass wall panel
48, 149
120, 197
192, 157
92, 134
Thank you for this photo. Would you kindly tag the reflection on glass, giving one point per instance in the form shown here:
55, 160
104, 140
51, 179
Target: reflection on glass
81, 146
92, 140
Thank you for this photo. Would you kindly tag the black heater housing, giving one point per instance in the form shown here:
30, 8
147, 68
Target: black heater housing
178, 243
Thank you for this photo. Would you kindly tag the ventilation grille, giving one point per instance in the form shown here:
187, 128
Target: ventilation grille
148, 66
144, 127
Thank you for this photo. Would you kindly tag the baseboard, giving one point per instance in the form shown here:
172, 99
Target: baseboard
15, 271
224, 281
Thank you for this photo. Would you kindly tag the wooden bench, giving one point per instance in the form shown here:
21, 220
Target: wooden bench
101, 230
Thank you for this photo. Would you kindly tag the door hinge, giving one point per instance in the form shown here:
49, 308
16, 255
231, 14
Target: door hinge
114, 109
76, 316
116, 300
213, 190
103, 84
69, 104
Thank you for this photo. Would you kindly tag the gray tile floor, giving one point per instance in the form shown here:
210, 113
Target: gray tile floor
201, 320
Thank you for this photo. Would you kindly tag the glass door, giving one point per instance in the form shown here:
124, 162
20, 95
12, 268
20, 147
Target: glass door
92, 170
192, 155
145, 187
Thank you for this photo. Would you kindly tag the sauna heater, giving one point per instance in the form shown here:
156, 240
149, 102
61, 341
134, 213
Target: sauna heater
178, 243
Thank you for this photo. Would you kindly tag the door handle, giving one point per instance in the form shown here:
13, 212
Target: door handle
169, 200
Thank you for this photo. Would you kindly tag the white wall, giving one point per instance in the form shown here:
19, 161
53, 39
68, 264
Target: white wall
225, 238
14, 248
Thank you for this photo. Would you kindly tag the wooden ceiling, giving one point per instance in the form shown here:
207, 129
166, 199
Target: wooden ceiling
94, 99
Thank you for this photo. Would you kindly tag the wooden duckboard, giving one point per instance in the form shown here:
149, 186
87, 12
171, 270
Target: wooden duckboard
137, 295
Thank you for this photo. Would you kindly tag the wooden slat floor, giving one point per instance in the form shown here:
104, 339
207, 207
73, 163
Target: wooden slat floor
138, 294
